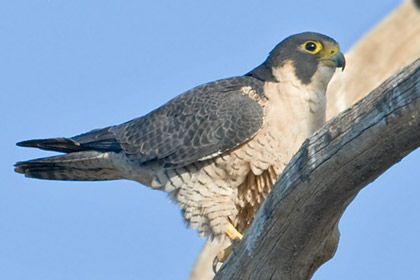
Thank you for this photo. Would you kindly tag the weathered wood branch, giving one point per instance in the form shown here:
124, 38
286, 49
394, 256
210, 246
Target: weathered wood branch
295, 231
370, 62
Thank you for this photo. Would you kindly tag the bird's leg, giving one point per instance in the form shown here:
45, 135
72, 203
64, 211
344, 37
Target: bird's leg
234, 236
233, 233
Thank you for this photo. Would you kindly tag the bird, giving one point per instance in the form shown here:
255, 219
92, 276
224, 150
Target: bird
216, 149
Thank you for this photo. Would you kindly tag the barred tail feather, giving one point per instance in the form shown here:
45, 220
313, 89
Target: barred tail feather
77, 166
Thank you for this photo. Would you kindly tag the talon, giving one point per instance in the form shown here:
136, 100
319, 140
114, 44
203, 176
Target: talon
234, 235
215, 263
221, 257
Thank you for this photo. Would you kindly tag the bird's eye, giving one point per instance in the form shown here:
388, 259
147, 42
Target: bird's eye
312, 47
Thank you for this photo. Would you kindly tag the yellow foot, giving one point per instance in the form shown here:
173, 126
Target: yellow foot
221, 257
234, 235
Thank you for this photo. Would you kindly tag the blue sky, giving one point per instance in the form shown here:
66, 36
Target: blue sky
67, 67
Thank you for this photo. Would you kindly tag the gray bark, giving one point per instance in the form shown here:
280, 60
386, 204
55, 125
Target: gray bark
295, 231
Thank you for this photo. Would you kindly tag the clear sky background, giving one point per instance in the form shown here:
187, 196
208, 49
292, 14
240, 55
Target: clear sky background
67, 67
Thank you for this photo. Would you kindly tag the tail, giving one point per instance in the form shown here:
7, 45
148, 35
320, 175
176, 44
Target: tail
87, 157
77, 166
65, 145
96, 140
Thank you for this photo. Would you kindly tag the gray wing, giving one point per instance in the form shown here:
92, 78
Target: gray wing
202, 122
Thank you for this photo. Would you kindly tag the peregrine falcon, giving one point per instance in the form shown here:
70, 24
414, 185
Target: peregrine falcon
216, 149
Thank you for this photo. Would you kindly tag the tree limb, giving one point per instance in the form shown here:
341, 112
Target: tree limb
295, 231
370, 62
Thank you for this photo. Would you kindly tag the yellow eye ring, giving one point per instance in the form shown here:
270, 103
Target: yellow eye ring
312, 47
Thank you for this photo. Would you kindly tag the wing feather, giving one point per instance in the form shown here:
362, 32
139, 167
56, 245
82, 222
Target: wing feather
198, 124
204, 121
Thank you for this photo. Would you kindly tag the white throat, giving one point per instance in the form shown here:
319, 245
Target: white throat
309, 100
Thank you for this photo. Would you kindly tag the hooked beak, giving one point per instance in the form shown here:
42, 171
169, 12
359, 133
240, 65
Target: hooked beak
334, 58
339, 60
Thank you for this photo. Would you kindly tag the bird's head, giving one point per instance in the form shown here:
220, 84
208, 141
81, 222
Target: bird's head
310, 57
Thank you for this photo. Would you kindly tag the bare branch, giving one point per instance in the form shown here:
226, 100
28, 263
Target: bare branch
370, 63
295, 230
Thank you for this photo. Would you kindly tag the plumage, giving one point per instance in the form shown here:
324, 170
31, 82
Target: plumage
217, 149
